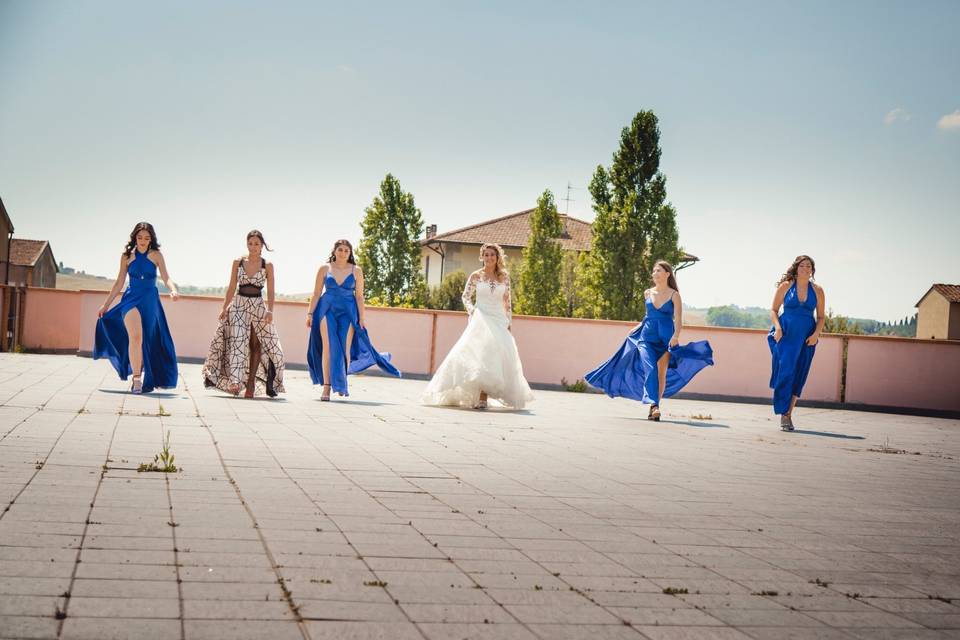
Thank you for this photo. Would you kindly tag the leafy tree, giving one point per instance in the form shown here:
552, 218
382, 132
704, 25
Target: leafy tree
634, 225
538, 287
732, 316
448, 294
571, 266
841, 324
388, 251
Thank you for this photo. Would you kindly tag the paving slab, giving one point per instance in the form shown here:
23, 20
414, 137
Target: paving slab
372, 516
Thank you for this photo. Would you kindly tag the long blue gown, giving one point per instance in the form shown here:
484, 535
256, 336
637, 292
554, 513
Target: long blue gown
112, 342
339, 306
632, 371
792, 356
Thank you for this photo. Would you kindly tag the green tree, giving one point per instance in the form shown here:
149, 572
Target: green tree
538, 289
841, 324
731, 316
388, 251
448, 295
571, 265
634, 225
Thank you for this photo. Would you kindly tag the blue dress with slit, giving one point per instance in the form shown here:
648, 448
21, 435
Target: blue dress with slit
112, 342
338, 305
632, 371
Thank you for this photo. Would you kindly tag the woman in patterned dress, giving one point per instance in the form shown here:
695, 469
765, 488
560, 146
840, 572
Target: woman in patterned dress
245, 353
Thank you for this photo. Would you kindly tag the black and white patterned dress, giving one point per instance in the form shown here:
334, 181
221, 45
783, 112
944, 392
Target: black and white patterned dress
228, 363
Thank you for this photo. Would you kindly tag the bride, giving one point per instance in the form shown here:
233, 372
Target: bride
484, 362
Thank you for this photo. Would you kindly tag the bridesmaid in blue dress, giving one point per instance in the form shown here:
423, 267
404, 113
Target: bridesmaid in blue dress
794, 335
651, 364
134, 335
339, 343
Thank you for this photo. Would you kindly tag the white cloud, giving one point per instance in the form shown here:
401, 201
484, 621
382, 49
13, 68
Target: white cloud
950, 122
896, 114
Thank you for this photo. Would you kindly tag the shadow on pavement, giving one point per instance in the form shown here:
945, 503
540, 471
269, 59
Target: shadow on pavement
827, 434
691, 423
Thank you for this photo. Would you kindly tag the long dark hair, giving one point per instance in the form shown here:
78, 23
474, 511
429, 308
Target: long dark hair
671, 279
791, 273
333, 252
256, 234
142, 226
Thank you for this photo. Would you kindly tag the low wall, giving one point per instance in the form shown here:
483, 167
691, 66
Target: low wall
886, 372
51, 320
903, 372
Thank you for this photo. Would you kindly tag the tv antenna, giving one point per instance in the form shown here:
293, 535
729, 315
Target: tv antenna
568, 199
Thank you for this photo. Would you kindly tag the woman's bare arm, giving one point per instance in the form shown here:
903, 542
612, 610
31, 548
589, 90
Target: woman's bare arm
117, 285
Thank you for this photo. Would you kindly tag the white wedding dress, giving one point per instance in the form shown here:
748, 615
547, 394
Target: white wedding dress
485, 357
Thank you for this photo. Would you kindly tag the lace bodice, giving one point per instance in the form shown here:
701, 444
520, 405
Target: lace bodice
491, 296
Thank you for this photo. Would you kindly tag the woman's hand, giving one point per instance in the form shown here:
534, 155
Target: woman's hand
674, 341
813, 340
363, 325
223, 313
174, 295
309, 320
777, 334
102, 310
268, 317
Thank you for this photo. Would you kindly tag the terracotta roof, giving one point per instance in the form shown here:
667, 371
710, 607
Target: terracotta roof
513, 231
949, 291
25, 253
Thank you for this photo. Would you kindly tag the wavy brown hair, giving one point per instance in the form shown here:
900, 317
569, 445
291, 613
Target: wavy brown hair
333, 252
671, 278
501, 268
142, 226
791, 273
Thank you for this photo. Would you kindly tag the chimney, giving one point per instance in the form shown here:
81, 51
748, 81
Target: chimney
431, 230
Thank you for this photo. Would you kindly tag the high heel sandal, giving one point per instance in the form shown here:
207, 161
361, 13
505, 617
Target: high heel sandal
325, 396
654, 413
136, 385
786, 423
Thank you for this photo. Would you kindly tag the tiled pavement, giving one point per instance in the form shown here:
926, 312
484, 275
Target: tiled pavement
374, 517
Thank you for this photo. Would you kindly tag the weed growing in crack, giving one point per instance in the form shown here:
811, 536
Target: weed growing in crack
163, 461
374, 583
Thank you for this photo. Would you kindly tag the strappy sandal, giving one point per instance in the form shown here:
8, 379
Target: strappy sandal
136, 385
654, 413
325, 396
786, 423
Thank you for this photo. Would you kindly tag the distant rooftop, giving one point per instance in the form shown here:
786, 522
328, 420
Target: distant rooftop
25, 253
949, 291
513, 230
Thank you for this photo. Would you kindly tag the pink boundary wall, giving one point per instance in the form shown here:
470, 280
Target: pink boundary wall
891, 372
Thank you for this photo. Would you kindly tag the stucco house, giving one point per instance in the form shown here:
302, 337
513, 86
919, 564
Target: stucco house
938, 313
445, 253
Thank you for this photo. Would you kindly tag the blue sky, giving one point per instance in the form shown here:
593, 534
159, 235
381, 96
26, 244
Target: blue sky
814, 127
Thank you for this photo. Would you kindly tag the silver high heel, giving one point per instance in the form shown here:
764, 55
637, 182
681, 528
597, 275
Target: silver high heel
786, 423
137, 384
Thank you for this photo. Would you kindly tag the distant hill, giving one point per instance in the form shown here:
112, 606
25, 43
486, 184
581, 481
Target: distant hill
758, 318
74, 280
